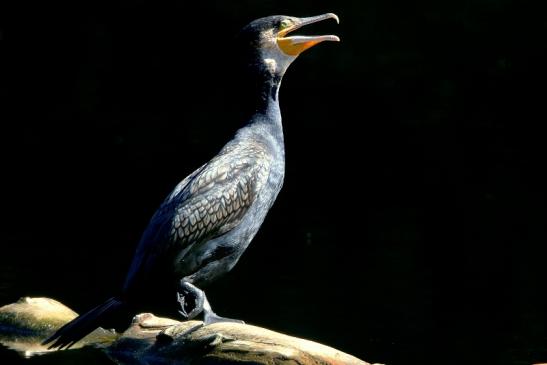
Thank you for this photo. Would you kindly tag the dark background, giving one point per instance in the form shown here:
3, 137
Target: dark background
411, 227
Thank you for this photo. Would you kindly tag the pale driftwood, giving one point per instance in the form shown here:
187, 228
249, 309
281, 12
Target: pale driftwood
150, 338
27, 322
155, 340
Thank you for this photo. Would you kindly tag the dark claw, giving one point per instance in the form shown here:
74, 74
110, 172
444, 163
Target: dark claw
182, 302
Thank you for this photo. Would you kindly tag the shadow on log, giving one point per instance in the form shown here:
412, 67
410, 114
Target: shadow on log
155, 340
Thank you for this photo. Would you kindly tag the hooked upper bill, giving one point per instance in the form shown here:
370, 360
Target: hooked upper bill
294, 45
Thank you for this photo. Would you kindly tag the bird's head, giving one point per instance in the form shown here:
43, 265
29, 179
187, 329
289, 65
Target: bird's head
271, 43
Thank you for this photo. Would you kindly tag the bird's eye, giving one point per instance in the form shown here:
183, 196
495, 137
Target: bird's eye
284, 23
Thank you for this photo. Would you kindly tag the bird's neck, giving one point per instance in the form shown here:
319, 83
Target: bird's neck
266, 117
260, 96
267, 93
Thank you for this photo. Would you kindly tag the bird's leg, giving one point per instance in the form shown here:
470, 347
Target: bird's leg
188, 294
201, 305
211, 317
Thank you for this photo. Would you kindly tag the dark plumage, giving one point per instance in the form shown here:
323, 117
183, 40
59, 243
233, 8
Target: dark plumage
201, 229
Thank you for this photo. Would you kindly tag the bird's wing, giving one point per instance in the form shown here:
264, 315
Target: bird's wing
219, 196
208, 203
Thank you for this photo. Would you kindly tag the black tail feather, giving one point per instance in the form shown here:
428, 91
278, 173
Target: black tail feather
79, 327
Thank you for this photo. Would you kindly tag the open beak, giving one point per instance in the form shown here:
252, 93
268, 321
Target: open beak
295, 45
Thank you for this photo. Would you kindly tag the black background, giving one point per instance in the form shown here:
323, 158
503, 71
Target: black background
411, 227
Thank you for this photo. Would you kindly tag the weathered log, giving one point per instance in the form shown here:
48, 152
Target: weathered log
150, 338
27, 322
156, 340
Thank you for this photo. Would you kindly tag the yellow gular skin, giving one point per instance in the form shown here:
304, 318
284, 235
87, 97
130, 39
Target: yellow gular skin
294, 49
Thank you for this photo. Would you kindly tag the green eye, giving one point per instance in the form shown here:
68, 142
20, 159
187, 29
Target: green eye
285, 23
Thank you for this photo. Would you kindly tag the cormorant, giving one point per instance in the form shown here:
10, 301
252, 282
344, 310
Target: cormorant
201, 229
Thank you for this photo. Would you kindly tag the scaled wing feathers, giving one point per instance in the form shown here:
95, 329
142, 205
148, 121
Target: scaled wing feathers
208, 203
216, 199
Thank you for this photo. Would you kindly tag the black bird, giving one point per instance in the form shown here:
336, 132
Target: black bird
201, 229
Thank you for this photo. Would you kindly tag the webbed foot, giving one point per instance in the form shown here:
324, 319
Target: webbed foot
210, 317
191, 300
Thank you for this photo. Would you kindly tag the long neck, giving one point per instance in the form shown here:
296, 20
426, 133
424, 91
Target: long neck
265, 89
258, 93
264, 110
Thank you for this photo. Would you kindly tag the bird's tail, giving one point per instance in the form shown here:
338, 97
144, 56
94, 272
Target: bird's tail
79, 327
